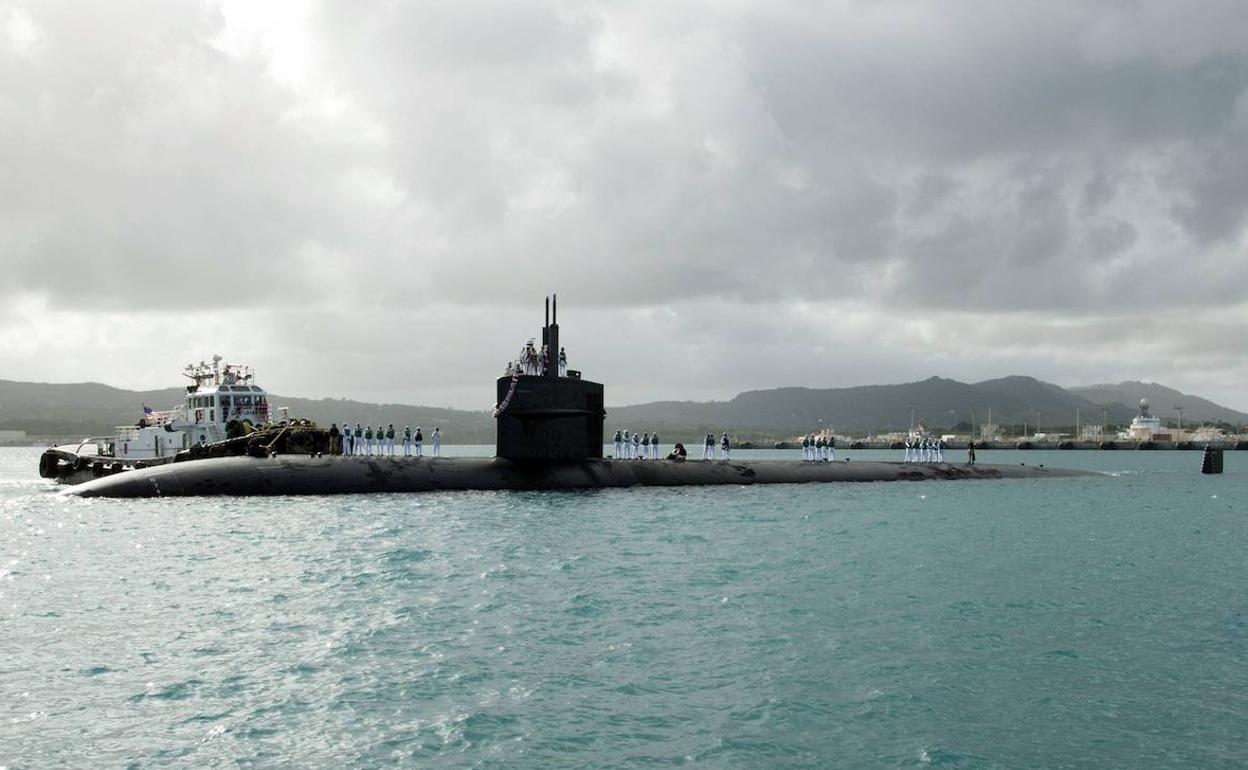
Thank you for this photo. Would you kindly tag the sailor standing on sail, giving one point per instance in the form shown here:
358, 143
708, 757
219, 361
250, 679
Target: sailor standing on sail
708, 447
724, 445
437, 442
407, 441
619, 444
563, 362
420, 442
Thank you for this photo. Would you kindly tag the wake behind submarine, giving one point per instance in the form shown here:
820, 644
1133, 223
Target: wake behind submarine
548, 436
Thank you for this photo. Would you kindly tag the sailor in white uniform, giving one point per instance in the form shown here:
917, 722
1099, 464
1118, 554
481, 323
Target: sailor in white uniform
437, 442
619, 445
645, 446
724, 446
407, 441
390, 439
940, 450
628, 444
708, 447
636, 447
906, 459
346, 440
563, 362
654, 446
831, 444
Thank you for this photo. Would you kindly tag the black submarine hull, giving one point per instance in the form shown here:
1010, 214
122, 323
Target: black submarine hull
330, 475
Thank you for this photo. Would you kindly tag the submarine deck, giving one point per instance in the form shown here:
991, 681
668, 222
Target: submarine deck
328, 475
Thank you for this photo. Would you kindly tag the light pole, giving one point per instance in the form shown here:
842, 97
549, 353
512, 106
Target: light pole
912, 419
1037, 411
1179, 409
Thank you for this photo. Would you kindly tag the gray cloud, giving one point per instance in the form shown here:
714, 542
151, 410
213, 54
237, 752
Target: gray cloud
826, 185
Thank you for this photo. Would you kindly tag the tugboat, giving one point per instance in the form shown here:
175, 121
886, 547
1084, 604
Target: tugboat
220, 404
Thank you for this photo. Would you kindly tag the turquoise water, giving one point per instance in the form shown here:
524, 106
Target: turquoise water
1092, 622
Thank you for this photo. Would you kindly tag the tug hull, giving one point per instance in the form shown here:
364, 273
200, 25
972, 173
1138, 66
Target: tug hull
330, 475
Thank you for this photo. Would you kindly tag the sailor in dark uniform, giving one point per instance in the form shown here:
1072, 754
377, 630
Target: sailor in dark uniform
708, 447
419, 440
335, 439
724, 445
359, 439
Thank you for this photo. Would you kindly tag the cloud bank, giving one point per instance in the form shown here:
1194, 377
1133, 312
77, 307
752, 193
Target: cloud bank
370, 201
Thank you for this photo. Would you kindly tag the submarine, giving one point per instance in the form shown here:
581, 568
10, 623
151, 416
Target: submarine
548, 436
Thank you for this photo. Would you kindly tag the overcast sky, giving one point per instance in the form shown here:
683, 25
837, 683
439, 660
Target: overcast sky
370, 200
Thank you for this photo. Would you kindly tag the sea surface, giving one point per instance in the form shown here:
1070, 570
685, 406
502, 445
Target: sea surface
1097, 622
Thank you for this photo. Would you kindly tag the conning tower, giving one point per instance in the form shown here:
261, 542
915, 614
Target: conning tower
545, 417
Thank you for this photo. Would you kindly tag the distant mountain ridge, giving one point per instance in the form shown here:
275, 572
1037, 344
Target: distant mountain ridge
936, 402
82, 409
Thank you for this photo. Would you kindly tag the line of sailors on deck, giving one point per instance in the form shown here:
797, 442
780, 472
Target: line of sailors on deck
645, 446
363, 440
924, 449
636, 446
533, 361
819, 448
